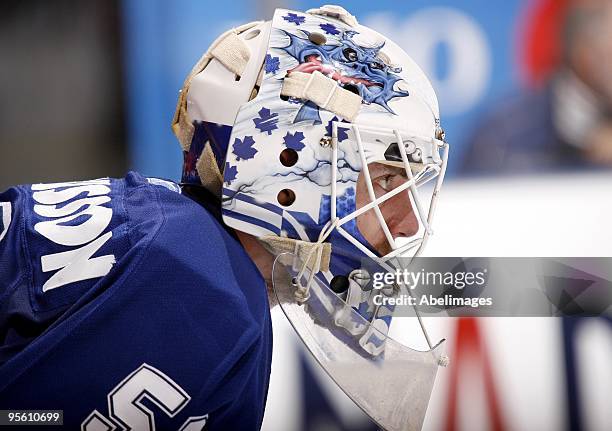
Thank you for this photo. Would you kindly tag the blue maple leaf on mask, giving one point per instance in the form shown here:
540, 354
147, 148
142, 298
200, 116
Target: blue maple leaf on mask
329, 28
294, 18
294, 141
272, 64
230, 173
266, 121
243, 149
342, 131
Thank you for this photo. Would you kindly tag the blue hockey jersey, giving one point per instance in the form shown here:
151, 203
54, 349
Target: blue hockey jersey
128, 305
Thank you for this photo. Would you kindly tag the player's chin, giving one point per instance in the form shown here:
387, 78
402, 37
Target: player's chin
383, 248
378, 242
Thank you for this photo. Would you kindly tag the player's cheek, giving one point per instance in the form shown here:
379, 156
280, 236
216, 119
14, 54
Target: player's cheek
399, 215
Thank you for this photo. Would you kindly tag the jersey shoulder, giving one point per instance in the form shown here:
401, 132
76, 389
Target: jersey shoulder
64, 245
63, 242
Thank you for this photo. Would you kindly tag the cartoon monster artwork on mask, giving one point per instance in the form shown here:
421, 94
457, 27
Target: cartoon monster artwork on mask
356, 68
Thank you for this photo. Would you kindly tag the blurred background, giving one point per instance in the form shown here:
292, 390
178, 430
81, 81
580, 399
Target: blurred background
88, 89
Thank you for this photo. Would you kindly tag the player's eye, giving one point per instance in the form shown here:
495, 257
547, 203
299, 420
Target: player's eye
350, 54
376, 66
384, 182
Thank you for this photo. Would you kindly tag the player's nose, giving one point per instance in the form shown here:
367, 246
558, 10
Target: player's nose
400, 216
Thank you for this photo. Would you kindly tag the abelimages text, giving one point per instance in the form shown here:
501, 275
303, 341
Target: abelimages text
431, 300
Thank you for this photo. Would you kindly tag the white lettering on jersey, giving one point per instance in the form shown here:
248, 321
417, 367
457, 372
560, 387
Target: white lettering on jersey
77, 264
126, 409
5, 214
196, 423
125, 401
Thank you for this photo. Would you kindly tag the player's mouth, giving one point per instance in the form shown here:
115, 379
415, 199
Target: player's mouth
313, 64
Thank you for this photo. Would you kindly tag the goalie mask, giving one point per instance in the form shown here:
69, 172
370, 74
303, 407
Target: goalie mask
321, 138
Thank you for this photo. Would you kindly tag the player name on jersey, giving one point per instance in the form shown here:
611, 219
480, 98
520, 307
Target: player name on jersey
81, 224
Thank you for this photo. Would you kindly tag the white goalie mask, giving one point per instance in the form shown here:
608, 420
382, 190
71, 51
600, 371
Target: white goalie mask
319, 135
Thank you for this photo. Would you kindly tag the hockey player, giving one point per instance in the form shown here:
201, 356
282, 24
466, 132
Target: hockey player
140, 304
